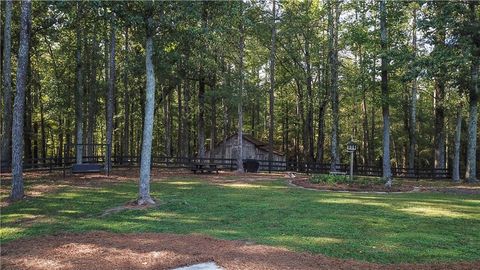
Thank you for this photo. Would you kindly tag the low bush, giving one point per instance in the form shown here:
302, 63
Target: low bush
330, 179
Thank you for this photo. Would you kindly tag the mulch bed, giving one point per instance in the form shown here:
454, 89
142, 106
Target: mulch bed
102, 250
404, 186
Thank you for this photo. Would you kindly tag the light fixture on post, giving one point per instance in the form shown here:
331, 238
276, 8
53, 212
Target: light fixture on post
351, 148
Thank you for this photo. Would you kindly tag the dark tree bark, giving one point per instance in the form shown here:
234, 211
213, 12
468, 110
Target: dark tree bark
333, 22
240, 94
187, 125
309, 120
201, 116
371, 143
456, 150
412, 135
470, 175
323, 99
213, 125
92, 97
366, 134
439, 97
471, 171
387, 171
7, 87
79, 87
272, 88
226, 127
181, 123
110, 93
18, 107
126, 101
43, 133
166, 123
201, 94
60, 141
27, 123
301, 117
286, 131
144, 185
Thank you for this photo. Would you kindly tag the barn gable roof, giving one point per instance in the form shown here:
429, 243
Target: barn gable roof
258, 143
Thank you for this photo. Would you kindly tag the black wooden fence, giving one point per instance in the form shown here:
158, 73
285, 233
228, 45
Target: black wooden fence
64, 163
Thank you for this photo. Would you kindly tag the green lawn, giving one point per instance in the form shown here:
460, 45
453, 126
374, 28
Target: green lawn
384, 228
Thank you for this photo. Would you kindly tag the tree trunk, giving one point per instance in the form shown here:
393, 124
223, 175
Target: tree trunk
166, 123
333, 57
213, 126
92, 99
60, 141
144, 185
181, 121
323, 99
471, 171
456, 153
240, 94
79, 92
18, 107
201, 116
27, 124
412, 135
272, 88
439, 124
301, 117
186, 119
287, 129
226, 127
321, 133
126, 102
371, 143
366, 135
43, 134
309, 120
439, 97
111, 89
387, 173
7, 87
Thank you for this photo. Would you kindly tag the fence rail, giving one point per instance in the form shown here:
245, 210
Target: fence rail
64, 163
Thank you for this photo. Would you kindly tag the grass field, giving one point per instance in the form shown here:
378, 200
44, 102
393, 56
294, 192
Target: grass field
383, 228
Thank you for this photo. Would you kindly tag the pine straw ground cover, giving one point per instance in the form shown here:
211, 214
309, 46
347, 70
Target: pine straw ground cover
268, 220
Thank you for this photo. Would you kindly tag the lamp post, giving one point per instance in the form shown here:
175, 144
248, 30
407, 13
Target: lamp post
351, 148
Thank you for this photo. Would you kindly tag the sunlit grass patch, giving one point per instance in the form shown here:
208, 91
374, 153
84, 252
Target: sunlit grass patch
432, 211
9, 231
384, 228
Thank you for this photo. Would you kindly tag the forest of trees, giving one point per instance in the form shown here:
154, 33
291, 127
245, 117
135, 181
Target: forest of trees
398, 77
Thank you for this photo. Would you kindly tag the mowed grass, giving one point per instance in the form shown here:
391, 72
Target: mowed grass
383, 228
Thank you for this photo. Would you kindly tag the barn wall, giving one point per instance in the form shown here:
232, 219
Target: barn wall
250, 151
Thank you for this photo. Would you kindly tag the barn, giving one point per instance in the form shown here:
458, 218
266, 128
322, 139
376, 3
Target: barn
253, 148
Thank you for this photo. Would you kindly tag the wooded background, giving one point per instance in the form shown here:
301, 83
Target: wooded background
309, 71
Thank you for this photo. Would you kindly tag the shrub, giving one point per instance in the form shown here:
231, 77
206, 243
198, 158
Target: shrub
341, 179
329, 179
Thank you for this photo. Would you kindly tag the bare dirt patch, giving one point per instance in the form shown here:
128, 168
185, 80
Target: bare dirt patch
132, 205
39, 183
102, 250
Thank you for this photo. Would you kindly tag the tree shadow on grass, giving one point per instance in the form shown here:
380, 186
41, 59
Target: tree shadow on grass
369, 228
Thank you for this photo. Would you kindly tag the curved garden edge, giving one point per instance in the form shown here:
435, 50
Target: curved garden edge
166, 251
304, 184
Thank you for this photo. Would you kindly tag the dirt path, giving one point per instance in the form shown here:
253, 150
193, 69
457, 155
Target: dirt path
102, 250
